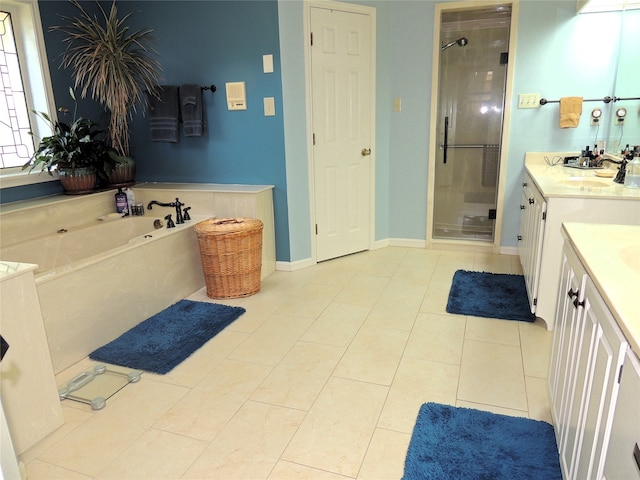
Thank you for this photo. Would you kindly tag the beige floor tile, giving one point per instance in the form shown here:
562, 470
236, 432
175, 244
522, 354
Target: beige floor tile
373, 356
292, 471
492, 330
436, 297
437, 337
259, 308
250, 445
272, 340
95, 443
385, 456
265, 398
300, 376
207, 408
155, 455
39, 470
410, 280
336, 432
362, 290
421, 258
492, 408
536, 348
416, 382
491, 262
492, 374
383, 262
395, 310
337, 325
73, 417
538, 399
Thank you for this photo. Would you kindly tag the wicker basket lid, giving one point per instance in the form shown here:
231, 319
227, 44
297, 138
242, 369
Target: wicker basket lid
215, 226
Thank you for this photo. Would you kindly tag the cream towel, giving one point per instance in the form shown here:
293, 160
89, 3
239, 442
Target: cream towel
570, 111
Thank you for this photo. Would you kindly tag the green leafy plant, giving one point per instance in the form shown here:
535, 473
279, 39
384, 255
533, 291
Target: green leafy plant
76, 144
111, 63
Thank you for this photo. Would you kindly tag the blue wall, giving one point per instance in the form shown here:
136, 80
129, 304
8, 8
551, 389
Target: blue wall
558, 54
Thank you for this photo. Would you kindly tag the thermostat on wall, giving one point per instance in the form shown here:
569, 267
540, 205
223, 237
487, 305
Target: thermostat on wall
236, 96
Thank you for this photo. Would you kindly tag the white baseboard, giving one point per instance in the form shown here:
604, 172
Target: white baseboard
293, 266
509, 250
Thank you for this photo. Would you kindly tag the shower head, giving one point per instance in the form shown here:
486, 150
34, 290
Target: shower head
462, 41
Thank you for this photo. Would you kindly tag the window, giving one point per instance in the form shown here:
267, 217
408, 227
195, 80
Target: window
26, 86
16, 145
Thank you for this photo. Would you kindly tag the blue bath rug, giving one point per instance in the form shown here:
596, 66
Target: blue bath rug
163, 341
491, 295
467, 444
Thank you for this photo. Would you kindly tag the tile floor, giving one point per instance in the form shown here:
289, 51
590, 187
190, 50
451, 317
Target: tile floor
321, 378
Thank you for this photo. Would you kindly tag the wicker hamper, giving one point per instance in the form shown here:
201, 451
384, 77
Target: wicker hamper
231, 253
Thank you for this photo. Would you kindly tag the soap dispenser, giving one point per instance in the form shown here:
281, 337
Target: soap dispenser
632, 175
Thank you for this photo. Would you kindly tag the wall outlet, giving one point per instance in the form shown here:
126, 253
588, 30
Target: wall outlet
529, 100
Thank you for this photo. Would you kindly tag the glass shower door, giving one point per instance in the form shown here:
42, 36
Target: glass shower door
472, 82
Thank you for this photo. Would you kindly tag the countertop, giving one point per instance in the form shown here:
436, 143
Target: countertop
561, 181
611, 255
204, 187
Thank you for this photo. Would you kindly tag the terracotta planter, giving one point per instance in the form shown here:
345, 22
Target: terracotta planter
77, 181
123, 174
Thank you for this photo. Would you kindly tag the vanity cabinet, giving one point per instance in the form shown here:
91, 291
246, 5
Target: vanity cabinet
587, 356
623, 456
549, 198
532, 217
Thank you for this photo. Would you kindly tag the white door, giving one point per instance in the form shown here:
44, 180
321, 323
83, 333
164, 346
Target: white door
342, 112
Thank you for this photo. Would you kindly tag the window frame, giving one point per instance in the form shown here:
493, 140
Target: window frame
36, 79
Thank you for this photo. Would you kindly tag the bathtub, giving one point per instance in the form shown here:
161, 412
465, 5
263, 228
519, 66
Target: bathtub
97, 280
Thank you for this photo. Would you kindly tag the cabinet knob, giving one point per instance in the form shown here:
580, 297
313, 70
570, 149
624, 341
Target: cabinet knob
577, 304
572, 294
519, 238
531, 201
522, 207
524, 184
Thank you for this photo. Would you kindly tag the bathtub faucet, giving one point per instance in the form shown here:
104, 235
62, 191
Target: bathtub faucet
177, 205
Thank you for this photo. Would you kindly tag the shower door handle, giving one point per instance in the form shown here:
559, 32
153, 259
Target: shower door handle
446, 139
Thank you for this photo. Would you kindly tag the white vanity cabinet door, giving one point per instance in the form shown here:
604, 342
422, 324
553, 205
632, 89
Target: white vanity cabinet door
620, 463
532, 215
564, 381
599, 393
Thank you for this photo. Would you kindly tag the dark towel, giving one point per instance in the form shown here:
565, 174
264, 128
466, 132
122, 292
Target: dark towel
164, 114
191, 108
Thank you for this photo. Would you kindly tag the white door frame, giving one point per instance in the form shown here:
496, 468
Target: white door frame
433, 140
349, 8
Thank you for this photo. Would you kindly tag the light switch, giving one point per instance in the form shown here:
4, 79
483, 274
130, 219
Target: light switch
267, 63
529, 100
269, 107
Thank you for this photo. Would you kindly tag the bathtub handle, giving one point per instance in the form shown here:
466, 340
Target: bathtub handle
170, 223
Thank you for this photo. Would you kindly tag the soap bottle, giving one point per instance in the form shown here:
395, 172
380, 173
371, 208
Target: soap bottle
121, 202
632, 175
131, 199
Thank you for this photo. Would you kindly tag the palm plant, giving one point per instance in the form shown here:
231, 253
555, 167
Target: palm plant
111, 63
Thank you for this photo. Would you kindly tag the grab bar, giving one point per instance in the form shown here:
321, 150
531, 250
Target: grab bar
446, 138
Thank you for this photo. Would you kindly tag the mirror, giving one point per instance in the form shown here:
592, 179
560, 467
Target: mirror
626, 85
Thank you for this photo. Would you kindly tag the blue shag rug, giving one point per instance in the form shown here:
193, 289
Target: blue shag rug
467, 444
491, 295
163, 341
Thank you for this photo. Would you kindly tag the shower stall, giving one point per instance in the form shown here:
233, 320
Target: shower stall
472, 74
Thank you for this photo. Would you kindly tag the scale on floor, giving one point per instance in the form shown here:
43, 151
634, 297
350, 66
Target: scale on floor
97, 386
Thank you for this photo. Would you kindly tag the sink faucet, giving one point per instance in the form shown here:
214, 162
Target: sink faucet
177, 205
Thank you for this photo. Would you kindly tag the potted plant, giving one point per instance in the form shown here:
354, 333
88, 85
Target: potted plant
76, 151
114, 65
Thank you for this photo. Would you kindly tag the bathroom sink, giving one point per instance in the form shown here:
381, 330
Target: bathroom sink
631, 257
584, 182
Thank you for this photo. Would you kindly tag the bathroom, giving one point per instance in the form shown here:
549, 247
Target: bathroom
248, 148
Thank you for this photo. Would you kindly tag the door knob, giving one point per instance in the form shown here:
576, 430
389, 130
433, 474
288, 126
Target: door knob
365, 151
